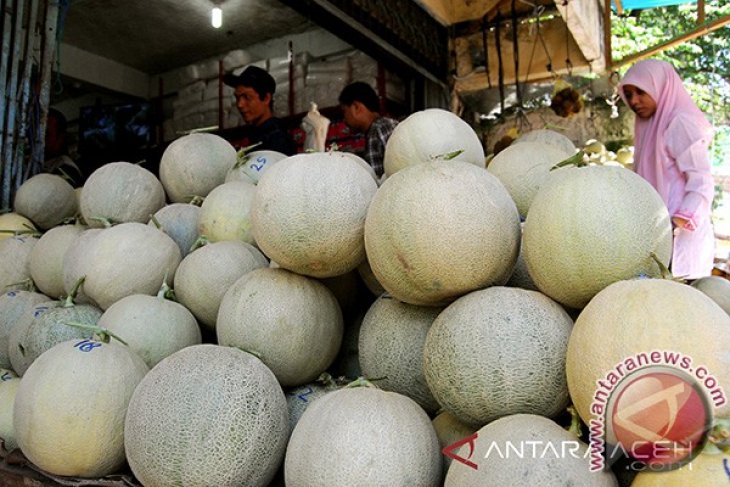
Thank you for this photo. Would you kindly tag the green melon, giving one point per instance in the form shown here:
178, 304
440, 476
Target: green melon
47, 256
438, 230
225, 213
14, 305
449, 430
716, 288
309, 211
195, 164
591, 226
46, 199
207, 415
75, 261
70, 407
204, 276
121, 192
298, 399
548, 137
521, 450
180, 222
15, 262
250, 167
300, 312
496, 352
363, 436
428, 134
391, 343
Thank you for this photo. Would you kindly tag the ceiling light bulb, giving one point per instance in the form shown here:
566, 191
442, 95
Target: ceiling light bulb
216, 17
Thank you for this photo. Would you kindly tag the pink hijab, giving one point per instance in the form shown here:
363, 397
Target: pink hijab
663, 84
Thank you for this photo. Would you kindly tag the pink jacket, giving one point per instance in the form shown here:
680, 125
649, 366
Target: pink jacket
671, 154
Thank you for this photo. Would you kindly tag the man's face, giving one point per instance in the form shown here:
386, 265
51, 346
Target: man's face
253, 109
350, 115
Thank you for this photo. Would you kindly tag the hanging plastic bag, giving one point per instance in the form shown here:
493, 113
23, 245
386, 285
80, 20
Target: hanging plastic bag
315, 126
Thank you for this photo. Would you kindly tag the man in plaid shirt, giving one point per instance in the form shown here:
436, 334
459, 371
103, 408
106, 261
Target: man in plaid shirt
360, 108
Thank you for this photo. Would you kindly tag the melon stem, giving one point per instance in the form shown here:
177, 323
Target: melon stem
107, 222
664, 270
449, 155
719, 435
68, 302
104, 334
574, 422
155, 222
200, 242
363, 382
576, 160
166, 291
196, 200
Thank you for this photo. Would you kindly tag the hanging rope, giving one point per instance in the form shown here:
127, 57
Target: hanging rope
568, 63
516, 53
485, 31
499, 62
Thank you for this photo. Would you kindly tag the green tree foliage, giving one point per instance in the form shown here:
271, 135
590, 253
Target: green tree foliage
703, 63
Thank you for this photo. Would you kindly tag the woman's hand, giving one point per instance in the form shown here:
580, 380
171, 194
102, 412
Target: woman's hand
679, 222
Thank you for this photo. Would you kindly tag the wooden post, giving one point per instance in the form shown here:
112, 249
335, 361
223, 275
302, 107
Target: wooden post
700, 12
220, 94
607, 36
5, 174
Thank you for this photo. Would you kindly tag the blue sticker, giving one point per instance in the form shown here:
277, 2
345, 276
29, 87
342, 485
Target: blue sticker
39, 311
11, 294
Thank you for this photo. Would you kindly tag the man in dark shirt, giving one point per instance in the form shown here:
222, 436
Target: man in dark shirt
254, 91
360, 108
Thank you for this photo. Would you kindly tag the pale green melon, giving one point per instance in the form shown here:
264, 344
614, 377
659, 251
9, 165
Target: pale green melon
591, 226
121, 192
438, 230
152, 326
520, 275
300, 312
15, 262
130, 258
708, 469
9, 383
391, 343
195, 164
47, 256
549, 137
298, 399
180, 222
523, 168
226, 213
309, 211
362, 436
429, 134
204, 276
45, 326
449, 430
496, 352
70, 407
366, 273
716, 288
75, 261
640, 316
207, 415
46, 199
250, 167
12, 223
503, 453
14, 305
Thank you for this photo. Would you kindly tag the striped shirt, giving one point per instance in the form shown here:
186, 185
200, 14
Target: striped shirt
375, 140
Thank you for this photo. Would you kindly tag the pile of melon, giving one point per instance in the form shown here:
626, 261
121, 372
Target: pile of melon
255, 319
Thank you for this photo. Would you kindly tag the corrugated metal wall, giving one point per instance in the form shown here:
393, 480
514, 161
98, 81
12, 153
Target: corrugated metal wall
28, 31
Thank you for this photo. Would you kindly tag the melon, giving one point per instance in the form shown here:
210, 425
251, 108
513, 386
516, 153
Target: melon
589, 227
75, 261
70, 407
438, 230
362, 163
9, 383
449, 430
14, 305
708, 469
130, 258
15, 262
640, 316
429, 134
226, 213
309, 211
12, 224
366, 273
121, 192
362, 436
46, 199
152, 326
391, 343
525, 446
180, 222
47, 256
298, 399
496, 352
204, 276
300, 312
207, 415
195, 164
250, 167
549, 137
717, 288
523, 168
46, 325
520, 275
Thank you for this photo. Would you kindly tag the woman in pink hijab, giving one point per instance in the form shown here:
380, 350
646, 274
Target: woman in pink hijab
671, 137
